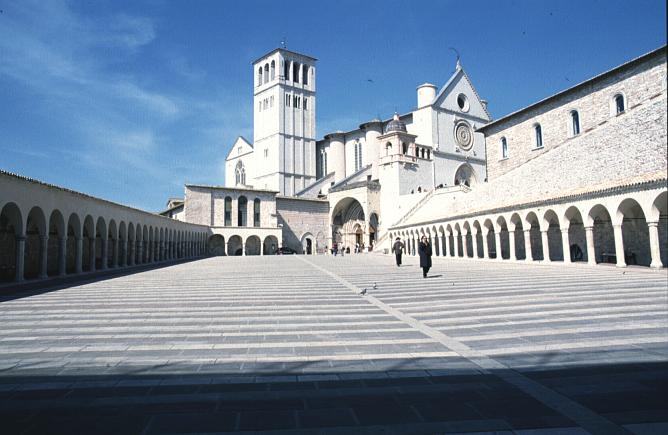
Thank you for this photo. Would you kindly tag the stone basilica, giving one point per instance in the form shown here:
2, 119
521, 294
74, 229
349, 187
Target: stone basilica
579, 176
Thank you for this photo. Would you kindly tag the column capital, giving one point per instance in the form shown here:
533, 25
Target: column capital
20, 238
652, 224
564, 230
589, 228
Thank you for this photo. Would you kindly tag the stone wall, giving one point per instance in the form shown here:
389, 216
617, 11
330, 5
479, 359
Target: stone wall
302, 216
641, 84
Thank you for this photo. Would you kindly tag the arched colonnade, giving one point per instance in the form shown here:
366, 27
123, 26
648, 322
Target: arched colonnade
621, 229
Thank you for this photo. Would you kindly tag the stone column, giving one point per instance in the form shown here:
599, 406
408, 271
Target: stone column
79, 255
43, 256
485, 246
474, 240
20, 257
161, 257
546, 246
444, 245
62, 256
511, 240
566, 245
591, 250
124, 256
457, 245
497, 241
140, 253
130, 253
114, 259
619, 246
527, 245
243, 249
91, 256
105, 253
654, 245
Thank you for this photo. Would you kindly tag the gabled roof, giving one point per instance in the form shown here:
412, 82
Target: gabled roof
239, 138
459, 72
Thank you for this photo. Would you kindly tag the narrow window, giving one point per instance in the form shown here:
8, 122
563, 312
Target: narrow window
228, 211
305, 103
575, 123
305, 76
360, 155
286, 69
259, 106
388, 148
271, 101
295, 72
266, 152
428, 154
256, 212
259, 76
539, 136
266, 72
404, 148
288, 97
417, 152
242, 213
273, 69
619, 104
504, 148
294, 101
325, 163
356, 168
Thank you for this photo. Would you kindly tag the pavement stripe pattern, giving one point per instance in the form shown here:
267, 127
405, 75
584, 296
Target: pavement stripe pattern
250, 329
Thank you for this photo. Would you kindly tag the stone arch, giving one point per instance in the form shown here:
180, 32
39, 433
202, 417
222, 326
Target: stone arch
535, 239
88, 245
11, 230
459, 242
112, 244
216, 245
465, 175
122, 245
635, 233
468, 240
270, 245
492, 250
74, 244
161, 244
235, 246
36, 229
515, 224
100, 242
57, 242
442, 241
435, 242
658, 214
139, 241
450, 240
308, 244
144, 243
253, 245
346, 215
480, 247
132, 244
551, 225
575, 239
503, 238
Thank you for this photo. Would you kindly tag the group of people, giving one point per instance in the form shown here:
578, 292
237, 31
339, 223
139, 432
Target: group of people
336, 249
424, 251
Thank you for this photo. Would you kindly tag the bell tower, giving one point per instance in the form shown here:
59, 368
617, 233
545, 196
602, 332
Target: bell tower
284, 121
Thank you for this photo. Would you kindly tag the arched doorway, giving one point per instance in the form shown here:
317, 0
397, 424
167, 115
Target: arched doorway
11, 227
635, 233
347, 217
253, 245
216, 245
308, 244
270, 245
234, 246
465, 175
373, 230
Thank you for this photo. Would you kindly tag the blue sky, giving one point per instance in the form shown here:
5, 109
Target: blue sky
130, 100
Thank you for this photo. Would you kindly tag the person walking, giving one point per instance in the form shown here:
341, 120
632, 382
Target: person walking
398, 249
424, 251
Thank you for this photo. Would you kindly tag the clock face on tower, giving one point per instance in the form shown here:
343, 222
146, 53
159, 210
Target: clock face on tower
464, 135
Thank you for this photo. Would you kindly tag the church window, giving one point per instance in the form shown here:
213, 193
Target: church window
404, 148
428, 154
286, 69
575, 123
266, 152
619, 104
242, 213
256, 212
305, 103
358, 156
388, 148
359, 145
463, 103
295, 72
539, 135
504, 148
422, 152
294, 101
305, 76
273, 69
259, 76
271, 101
240, 173
266, 72
417, 152
228, 211
325, 162
288, 97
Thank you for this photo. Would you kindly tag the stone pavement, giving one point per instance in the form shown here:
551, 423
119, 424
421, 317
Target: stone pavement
287, 344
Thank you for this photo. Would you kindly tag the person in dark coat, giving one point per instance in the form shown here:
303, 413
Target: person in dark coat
398, 249
424, 251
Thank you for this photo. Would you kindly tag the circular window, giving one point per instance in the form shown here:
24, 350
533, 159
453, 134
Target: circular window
464, 135
463, 102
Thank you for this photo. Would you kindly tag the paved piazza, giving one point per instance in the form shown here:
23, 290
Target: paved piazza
286, 343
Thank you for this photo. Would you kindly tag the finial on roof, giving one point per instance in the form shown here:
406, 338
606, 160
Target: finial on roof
458, 64
396, 116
